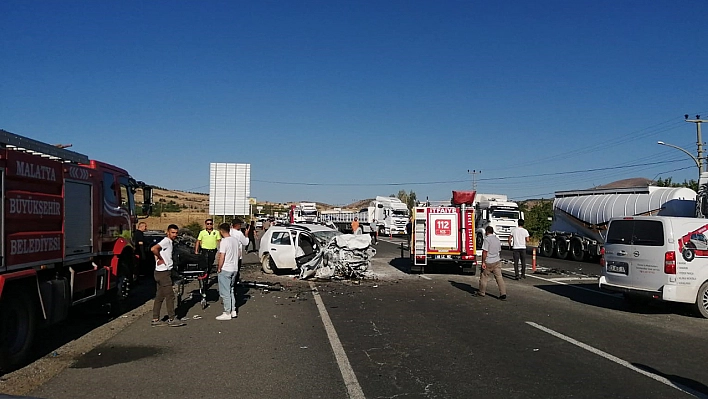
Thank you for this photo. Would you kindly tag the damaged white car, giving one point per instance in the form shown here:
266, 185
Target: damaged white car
318, 251
290, 246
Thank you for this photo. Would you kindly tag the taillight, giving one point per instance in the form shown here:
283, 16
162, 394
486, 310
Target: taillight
670, 262
602, 256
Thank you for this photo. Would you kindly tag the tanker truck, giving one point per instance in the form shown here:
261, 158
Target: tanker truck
580, 217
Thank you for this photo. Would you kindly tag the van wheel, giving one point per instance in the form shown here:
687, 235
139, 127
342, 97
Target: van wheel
702, 300
561, 248
267, 264
688, 254
546, 247
576, 250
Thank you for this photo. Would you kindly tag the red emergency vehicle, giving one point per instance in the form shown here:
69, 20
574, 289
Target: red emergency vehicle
445, 233
65, 236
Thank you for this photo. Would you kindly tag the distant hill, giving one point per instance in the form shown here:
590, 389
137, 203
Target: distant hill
626, 183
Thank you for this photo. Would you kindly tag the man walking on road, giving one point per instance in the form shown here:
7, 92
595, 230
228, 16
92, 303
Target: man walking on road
228, 265
163, 278
518, 239
491, 263
373, 230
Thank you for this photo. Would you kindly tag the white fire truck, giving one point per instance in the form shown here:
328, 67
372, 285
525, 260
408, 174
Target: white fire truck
65, 237
445, 234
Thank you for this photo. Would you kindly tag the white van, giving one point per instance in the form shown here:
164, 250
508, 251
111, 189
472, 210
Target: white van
658, 257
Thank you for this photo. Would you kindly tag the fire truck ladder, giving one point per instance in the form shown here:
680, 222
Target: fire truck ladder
25, 144
420, 258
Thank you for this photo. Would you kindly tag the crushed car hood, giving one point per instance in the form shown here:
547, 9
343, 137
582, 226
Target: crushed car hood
344, 256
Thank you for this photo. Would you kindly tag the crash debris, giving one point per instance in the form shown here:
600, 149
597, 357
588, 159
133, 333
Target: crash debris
346, 256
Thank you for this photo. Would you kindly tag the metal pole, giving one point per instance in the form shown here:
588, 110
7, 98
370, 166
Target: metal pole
701, 167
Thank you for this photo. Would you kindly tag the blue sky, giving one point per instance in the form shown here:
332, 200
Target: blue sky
336, 101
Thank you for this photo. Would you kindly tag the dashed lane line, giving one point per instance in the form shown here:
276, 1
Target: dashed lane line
619, 361
350, 381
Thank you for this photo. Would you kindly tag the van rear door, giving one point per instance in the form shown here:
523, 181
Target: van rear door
634, 253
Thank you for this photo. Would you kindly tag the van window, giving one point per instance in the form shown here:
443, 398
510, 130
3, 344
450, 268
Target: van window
636, 232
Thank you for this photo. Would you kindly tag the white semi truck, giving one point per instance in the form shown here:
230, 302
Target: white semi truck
304, 212
497, 211
391, 215
580, 217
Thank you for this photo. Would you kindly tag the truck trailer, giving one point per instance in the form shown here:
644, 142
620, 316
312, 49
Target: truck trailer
580, 217
66, 237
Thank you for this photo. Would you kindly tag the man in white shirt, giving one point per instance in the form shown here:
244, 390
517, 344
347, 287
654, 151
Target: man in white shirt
163, 278
518, 239
227, 269
491, 263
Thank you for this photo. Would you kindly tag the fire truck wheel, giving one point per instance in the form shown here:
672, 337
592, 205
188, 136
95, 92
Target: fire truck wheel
480, 240
18, 323
267, 264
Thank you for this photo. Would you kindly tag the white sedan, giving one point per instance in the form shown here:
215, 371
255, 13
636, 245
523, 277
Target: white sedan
290, 246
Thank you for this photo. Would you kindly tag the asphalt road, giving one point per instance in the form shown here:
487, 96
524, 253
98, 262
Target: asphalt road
406, 336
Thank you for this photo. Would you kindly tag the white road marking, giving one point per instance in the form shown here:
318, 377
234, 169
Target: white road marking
350, 381
425, 277
559, 281
619, 361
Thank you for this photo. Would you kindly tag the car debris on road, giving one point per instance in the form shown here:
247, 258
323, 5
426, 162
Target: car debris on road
346, 256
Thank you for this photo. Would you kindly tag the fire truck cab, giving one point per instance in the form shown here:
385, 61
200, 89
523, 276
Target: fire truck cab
65, 237
444, 234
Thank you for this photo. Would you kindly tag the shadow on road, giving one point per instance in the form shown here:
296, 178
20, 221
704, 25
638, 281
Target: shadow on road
686, 384
109, 355
582, 293
404, 265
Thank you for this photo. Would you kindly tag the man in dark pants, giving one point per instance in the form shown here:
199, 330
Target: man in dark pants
163, 279
207, 245
518, 239
141, 251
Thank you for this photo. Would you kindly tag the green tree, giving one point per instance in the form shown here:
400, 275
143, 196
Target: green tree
537, 217
668, 182
194, 227
408, 198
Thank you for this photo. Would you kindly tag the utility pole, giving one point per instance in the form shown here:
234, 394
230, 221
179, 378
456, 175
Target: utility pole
474, 174
699, 141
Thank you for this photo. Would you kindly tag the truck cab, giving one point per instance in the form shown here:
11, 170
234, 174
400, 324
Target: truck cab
497, 211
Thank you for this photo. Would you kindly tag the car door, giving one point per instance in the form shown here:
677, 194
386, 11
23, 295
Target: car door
282, 250
307, 248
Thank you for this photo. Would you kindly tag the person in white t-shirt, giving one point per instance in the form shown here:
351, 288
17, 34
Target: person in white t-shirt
227, 269
163, 278
518, 239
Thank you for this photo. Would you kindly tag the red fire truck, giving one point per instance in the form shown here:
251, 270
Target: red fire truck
445, 233
65, 236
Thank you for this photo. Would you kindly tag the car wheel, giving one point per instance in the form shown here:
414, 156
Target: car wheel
267, 264
702, 300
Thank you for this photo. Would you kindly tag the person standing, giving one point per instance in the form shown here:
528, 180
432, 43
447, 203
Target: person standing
243, 241
252, 236
207, 244
518, 239
491, 263
227, 269
141, 250
266, 225
355, 226
373, 230
163, 278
